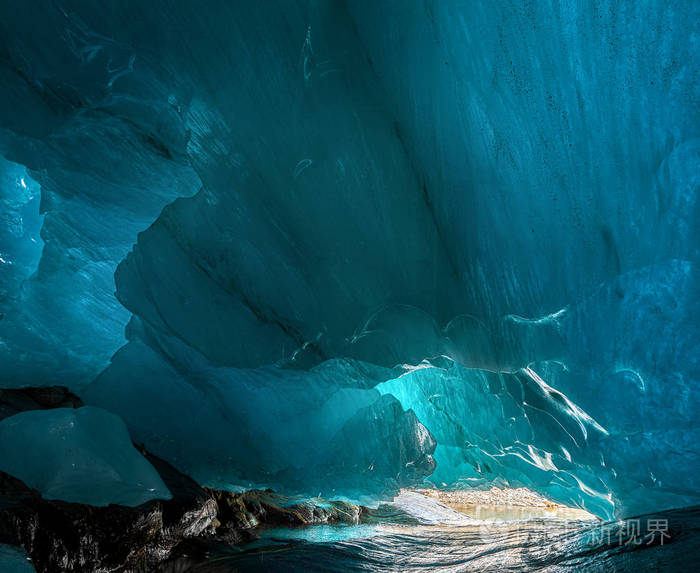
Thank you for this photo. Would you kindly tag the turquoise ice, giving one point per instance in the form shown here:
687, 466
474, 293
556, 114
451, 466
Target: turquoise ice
344, 247
82, 455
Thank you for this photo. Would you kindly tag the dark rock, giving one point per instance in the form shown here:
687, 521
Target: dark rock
168, 536
192, 510
234, 512
13, 401
60, 536
250, 508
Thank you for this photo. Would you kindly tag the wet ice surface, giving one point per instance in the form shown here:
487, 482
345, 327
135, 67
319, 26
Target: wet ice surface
429, 511
14, 560
660, 542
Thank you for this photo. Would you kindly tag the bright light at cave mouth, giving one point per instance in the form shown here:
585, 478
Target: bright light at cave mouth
275, 276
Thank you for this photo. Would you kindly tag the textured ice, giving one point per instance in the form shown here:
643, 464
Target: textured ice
20, 242
325, 432
429, 511
342, 235
82, 455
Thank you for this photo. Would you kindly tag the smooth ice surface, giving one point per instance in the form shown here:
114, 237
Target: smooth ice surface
14, 560
347, 238
82, 455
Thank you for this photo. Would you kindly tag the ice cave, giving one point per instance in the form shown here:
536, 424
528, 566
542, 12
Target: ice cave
282, 264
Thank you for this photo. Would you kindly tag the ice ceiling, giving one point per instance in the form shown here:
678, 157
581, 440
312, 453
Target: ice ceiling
361, 244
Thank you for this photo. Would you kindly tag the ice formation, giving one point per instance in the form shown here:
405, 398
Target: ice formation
429, 511
14, 560
82, 455
355, 246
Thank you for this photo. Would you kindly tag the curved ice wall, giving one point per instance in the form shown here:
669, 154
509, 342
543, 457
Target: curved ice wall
446, 239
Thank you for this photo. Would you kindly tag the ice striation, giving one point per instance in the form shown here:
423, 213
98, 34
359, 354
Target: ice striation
343, 248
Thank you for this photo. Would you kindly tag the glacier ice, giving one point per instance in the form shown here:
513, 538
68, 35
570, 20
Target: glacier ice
343, 247
20, 242
94, 145
325, 432
14, 560
81, 455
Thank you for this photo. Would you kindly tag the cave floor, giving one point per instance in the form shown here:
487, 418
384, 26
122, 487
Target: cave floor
503, 538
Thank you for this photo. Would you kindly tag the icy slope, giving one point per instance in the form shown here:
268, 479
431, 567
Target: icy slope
82, 455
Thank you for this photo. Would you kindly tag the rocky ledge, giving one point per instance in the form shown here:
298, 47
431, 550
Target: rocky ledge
61, 536
156, 536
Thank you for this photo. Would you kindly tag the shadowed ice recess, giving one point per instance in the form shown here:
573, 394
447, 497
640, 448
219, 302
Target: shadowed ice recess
340, 248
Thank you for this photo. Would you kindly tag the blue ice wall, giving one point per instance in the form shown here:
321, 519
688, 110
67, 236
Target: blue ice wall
102, 143
557, 141
356, 242
20, 241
